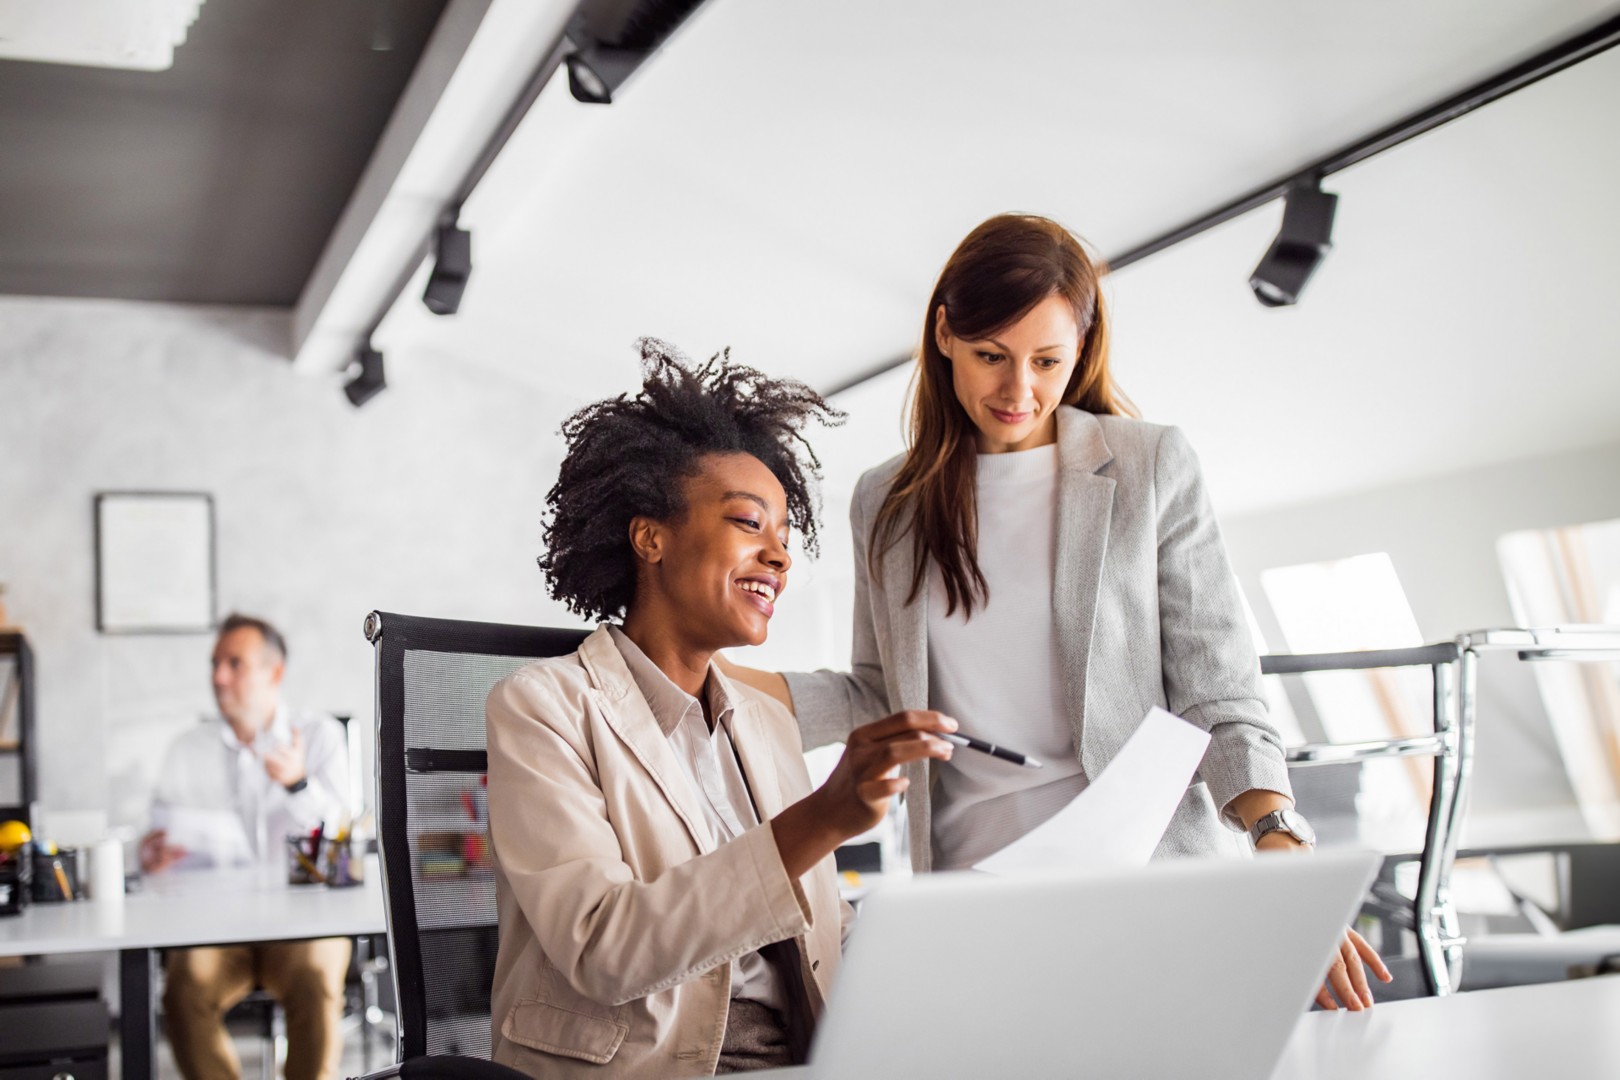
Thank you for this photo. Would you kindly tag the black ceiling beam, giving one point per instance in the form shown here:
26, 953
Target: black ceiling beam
1550, 61
642, 23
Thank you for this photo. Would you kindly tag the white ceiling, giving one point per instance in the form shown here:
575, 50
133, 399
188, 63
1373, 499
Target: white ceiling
787, 179
1469, 313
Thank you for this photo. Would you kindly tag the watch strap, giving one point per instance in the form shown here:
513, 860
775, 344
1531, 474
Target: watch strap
1278, 821
296, 786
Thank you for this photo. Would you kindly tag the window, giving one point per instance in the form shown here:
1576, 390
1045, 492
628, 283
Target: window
1342, 606
1556, 577
1277, 703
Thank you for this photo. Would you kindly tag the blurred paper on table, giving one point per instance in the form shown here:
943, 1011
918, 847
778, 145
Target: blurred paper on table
209, 837
1120, 817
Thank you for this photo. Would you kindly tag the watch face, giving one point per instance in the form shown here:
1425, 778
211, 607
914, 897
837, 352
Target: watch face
1293, 821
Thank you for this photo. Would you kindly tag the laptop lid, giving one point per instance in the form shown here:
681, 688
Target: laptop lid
1196, 969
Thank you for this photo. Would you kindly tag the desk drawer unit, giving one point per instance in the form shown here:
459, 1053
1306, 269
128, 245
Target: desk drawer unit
54, 1040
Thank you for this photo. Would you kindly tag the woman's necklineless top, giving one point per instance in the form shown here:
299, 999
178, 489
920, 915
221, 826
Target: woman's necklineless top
997, 673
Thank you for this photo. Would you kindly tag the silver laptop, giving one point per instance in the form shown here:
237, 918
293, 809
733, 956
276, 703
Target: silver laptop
1195, 969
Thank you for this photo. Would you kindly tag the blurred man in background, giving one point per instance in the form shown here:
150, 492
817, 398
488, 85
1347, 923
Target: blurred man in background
232, 791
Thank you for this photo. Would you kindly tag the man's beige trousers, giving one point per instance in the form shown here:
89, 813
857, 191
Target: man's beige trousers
306, 977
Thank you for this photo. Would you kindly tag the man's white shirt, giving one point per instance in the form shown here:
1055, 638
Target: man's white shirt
210, 778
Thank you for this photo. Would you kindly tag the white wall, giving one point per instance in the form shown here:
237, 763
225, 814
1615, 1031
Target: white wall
426, 501
1441, 535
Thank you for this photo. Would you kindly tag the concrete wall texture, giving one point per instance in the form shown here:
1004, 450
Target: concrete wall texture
427, 501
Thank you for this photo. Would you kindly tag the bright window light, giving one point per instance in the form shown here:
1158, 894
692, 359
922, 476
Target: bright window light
1343, 606
1281, 709
1339, 606
1558, 577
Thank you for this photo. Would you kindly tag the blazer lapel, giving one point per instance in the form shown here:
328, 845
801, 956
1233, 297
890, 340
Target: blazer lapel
631, 719
758, 758
1085, 506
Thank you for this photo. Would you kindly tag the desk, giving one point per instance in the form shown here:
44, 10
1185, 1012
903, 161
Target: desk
1555, 1029
185, 908
1562, 1029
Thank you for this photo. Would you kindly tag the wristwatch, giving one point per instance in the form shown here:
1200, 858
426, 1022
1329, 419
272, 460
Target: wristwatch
303, 782
1289, 821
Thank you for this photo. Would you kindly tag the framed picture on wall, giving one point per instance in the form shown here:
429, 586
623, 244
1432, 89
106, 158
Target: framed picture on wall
154, 562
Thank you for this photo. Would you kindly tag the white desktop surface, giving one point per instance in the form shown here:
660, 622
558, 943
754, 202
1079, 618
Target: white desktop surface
1555, 1029
198, 907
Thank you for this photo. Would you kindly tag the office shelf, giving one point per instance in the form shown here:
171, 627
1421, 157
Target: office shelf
17, 749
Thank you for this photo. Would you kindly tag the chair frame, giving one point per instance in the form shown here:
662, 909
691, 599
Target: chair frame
392, 636
1432, 914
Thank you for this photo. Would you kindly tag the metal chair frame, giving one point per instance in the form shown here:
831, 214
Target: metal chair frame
1454, 665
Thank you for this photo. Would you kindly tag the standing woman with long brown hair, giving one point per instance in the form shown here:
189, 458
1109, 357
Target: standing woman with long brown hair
1045, 567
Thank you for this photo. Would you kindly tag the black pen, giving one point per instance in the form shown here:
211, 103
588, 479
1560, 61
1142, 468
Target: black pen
987, 748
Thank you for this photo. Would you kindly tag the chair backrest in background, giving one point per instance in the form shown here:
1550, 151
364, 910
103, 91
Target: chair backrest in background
432, 678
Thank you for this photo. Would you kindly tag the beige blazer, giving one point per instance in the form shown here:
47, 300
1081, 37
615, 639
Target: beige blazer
1147, 612
616, 929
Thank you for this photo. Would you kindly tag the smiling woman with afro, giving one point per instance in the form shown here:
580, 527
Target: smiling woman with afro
628, 457
665, 883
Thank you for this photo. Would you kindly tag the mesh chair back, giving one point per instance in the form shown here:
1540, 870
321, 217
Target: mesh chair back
432, 813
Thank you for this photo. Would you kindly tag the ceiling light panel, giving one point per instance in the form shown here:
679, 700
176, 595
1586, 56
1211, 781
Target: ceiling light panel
137, 34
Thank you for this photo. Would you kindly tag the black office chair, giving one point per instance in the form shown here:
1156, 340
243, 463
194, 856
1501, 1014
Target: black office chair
432, 678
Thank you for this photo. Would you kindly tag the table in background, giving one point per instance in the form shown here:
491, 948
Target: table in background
181, 909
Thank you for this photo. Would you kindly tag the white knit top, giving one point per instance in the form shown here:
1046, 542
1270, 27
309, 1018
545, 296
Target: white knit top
997, 672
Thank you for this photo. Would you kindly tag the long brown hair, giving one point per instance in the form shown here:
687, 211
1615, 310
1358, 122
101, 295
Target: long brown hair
995, 277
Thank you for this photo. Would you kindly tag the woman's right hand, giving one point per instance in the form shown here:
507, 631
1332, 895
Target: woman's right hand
856, 796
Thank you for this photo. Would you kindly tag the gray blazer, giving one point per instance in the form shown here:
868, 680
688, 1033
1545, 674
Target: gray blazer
1147, 611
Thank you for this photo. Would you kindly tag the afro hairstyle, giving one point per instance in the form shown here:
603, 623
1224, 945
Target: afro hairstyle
629, 457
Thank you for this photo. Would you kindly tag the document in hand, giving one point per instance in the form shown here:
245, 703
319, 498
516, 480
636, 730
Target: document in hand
209, 837
1119, 818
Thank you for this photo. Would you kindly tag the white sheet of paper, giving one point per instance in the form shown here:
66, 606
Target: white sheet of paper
210, 837
1120, 817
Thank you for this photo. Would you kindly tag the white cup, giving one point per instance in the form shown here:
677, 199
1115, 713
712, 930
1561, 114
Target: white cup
107, 870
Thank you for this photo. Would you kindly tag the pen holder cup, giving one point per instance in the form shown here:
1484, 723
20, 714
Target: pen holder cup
56, 876
325, 860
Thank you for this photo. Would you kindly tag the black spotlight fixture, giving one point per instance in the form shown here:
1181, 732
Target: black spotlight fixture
370, 382
1303, 241
595, 72
452, 266
610, 39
